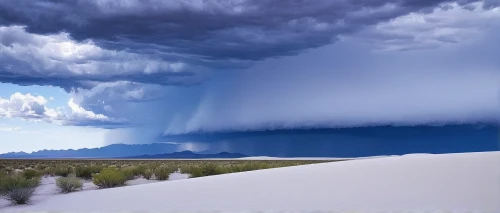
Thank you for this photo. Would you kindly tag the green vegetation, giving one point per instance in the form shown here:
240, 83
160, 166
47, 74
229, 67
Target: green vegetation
17, 188
163, 173
139, 170
10, 182
69, 184
30, 173
19, 195
205, 170
8, 170
129, 172
62, 170
109, 177
108, 173
84, 172
210, 168
148, 173
40, 167
83, 167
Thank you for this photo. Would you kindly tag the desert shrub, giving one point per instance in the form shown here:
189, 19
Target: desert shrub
9, 170
163, 173
30, 174
109, 178
187, 169
63, 171
40, 167
147, 174
214, 169
205, 170
84, 172
48, 171
19, 195
235, 168
96, 168
17, 189
129, 172
152, 166
10, 182
250, 166
194, 172
69, 184
139, 170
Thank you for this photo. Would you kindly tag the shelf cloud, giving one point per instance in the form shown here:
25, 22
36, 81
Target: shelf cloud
178, 67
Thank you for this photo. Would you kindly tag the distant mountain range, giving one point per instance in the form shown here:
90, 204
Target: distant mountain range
110, 151
189, 155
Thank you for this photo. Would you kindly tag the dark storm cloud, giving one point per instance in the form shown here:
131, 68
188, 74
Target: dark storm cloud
348, 142
79, 44
56, 59
246, 30
88, 82
104, 49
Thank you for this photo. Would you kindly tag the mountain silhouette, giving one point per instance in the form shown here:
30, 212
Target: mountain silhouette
189, 155
110, 151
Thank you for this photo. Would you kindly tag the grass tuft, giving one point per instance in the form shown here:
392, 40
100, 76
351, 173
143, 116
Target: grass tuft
84, 172
163, 173
30, 173
109, 178
207, 169
129, 172
69, 184
63, 170
17, 189
147, 174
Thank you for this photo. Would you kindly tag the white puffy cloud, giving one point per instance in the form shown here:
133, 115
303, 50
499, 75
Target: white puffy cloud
34, 108
78, 113
28, 107
449, 24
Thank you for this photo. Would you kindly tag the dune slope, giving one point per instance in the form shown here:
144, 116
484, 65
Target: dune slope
468, 182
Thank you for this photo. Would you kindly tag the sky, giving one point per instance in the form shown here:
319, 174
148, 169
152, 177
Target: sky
89, 73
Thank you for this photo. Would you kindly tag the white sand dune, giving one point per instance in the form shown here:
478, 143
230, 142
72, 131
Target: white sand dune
468, 182
290, 158
314, 158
